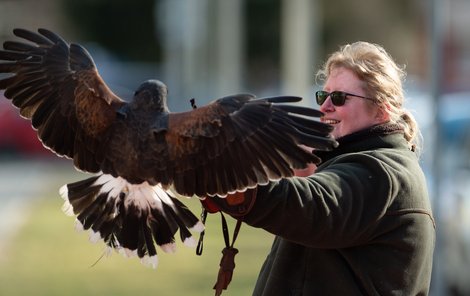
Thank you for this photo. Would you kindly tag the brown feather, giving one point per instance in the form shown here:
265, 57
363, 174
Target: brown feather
93, 104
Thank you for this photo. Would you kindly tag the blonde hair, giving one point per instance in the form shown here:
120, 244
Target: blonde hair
383, 81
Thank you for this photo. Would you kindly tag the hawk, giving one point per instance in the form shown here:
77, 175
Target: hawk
139, 152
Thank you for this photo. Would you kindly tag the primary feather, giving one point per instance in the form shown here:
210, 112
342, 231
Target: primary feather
140, 149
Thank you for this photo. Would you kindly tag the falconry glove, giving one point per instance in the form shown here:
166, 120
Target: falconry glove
236, 205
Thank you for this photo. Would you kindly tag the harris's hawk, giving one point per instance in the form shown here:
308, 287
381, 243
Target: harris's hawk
139, 149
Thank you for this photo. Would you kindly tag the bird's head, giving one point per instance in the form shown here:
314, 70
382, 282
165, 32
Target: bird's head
151, 95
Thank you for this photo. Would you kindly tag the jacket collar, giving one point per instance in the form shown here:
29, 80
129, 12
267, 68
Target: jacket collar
387, 135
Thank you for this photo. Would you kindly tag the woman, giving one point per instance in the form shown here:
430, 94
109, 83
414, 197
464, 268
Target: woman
362, 223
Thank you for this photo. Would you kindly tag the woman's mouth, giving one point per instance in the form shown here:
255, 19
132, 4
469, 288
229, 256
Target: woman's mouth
330, 121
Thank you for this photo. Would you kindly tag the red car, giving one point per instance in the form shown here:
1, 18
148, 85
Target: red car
17, 136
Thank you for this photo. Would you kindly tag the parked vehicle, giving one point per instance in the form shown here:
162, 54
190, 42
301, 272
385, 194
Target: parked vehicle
17, 137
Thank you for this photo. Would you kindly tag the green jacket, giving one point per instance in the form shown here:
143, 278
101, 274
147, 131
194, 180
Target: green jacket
361, 225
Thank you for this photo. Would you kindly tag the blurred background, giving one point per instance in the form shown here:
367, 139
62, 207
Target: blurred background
205, 49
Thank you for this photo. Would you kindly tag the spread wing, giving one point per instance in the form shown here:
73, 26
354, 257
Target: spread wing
238, 142
57, 87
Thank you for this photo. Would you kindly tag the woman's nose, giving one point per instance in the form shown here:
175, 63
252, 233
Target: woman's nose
327, 105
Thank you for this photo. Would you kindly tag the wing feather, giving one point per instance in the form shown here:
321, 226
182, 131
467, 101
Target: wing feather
57, 87
33, 37
12, 55
239, 141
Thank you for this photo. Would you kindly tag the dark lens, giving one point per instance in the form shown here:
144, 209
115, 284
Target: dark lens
321, 97
338, 98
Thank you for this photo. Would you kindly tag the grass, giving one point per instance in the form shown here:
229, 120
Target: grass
48, 257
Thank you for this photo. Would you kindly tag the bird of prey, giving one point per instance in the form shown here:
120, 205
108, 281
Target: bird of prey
139, 152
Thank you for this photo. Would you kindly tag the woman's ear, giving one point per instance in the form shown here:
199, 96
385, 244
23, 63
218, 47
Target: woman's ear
383, 114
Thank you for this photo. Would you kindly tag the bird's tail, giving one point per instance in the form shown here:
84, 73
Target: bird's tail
130, 218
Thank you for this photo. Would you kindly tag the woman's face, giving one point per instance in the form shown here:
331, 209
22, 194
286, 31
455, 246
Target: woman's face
356, 113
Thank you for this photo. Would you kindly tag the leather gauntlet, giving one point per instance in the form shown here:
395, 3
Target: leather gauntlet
236, 205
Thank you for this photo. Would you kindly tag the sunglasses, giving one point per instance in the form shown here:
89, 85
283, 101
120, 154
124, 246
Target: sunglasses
337, 97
